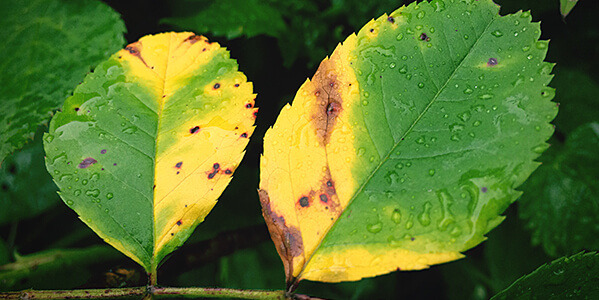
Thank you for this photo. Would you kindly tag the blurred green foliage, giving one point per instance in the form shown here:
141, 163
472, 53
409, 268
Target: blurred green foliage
278, 44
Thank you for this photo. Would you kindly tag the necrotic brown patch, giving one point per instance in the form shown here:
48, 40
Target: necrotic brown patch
328, 100
86, 163
135, 50
287, 239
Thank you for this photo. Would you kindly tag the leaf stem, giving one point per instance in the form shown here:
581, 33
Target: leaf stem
137, 292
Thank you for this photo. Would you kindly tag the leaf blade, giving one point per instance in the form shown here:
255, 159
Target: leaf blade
146, 132
393, 85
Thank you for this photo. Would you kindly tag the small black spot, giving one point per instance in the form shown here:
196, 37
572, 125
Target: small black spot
483, 189
412, 239
216, 86
178, 172
371, 29
324, 198
317, 93
4, 186
76, 108
154, 187
391, 19
216, 166
114, 164
244, 135
249, 105
185, 205
228, 172
424, 37
332, 84
103, 151
172, 234
12, 169
178, 165
304, 202
194, 130
329, 183
255, 114
492, 62
211, 175
179, 223
237, 85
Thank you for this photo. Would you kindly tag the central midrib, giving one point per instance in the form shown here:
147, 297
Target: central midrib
158, 125
363, 185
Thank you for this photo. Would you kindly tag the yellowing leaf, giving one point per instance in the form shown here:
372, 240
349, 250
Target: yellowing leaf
406, 146
149, 141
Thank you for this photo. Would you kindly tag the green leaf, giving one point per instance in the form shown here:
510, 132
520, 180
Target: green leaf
577, 94
576, 276
566, 6
408, 143
229, 18
146, 145
26, 187
561, 202
47, 47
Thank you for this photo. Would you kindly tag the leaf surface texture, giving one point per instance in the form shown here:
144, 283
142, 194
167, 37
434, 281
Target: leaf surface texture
408, 143
149, 141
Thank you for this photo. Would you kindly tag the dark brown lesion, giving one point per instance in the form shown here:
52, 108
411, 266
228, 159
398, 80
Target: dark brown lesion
287, 239
135, 50
325, 195
192, 39
328, 100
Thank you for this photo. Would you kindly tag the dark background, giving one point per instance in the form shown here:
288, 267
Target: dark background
239, 253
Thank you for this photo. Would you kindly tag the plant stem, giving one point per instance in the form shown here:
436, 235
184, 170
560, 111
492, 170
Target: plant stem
137, 292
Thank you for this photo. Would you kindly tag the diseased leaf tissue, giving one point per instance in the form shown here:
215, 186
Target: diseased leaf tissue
146, 145
408, 143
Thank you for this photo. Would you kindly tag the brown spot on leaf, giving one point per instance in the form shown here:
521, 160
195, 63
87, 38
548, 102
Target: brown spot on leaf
244, 135
216, 86
248, 105
492, 62
425, 37
179, 223
86, 163
324, 198
178, 165
328, 103
192, 39
287, 239
135, 50
304, 201
391, 20
228, 172
194, 129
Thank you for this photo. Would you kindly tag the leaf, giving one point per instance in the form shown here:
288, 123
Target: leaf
48, 46
235, 17
566, 6
26, 187
149, 141
408, 142
577, 94
567, 277
560, 202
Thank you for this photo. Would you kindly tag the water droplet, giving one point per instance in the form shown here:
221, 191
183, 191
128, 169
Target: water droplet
431, 172
399, 166
519, 80
399, 36
420, 15
392, 65
485, 96
366, 94
410, 223
396, 216
70, 202
391, 177
404, 57
130, 130
525, 14
420, 140
497, 33
361, 152
93, 193
425, 218
439, 5
465, 116
374, 228
365, 102
77, 192
468, 91
420, 85
403, 69
466, 36
541, 44
109, 196
540, 148
49, 138
456, 127
529, 56
476, 123
84, 181
455, 137
446, 201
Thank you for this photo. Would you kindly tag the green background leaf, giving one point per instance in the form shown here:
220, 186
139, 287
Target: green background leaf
576, 276
26, 187
566, 6
560, 201
47, 47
